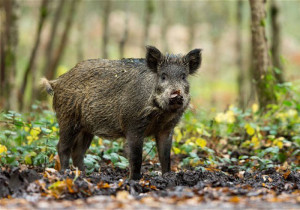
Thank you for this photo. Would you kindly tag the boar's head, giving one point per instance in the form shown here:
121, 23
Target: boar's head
172, 87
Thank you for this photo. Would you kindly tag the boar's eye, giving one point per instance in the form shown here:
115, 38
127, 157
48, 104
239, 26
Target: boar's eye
183, 76
163, 77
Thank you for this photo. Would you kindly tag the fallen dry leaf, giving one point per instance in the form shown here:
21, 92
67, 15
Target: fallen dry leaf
57, 165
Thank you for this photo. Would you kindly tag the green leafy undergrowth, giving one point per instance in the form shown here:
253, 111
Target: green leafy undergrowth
249, 139
253, 138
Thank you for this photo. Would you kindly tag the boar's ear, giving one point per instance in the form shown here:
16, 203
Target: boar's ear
153, 56
193, 59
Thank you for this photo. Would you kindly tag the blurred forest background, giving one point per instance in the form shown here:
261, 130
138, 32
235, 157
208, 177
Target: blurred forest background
48, 37
245, 108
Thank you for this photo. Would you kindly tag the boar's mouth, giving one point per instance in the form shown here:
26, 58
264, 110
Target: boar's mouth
178, 100
176, 103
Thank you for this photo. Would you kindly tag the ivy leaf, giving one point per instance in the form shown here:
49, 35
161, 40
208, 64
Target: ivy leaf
201, 142
114, 157
249, 129
176, 150
28, 160
121, 165
28, 157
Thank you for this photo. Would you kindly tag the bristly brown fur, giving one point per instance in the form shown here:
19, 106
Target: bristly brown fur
176, 59
121, 98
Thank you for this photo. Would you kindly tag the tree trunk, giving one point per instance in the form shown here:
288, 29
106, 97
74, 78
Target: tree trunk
147, 21
276, 42
261, 71
80, 32
125, 34
216, 40
53, 35
164, 26
191, 24
105, 34
63, 42
2, 54
30, 65
9, 42
239, 58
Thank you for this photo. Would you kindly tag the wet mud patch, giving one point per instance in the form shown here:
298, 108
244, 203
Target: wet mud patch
191, 186
14, 181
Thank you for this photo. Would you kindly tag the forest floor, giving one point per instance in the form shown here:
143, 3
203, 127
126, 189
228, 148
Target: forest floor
230, 160
222, 188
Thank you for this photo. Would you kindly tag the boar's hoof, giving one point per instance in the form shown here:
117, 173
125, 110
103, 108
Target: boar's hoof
135, 188
135, 176
65, 171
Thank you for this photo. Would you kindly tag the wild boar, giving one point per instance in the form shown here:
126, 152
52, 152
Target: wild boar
129, 98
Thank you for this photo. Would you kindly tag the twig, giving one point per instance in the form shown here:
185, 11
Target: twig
148, 153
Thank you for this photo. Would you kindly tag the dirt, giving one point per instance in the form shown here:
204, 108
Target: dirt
209, 188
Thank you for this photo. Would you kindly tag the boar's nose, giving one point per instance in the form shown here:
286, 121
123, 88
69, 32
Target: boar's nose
176, 99
175, 94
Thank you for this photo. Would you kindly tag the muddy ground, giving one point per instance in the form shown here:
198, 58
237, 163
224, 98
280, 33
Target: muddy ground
223, 187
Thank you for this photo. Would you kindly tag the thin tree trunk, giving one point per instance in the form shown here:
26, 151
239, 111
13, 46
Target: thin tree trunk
164, 26
261, 71
9, 37
53, 35
252, 96
239, 61
63, 42
276, 42
50, 45
147, 21
30, 65
216, 39
105, 34
191, 24
125, 34
80, 31
2, 54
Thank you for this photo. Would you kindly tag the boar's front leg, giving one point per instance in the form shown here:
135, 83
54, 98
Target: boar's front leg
135, 145
164, 144
82, 143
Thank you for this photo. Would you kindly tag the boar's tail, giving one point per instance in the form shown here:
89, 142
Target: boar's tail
46, 84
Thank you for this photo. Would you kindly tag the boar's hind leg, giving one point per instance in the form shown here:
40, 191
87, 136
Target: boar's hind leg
65, 144
164, 144
135, 145
82, 143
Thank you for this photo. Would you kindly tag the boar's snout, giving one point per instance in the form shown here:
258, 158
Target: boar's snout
176, 99
175, 94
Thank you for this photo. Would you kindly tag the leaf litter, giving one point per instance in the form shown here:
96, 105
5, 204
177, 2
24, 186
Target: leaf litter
207, 187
